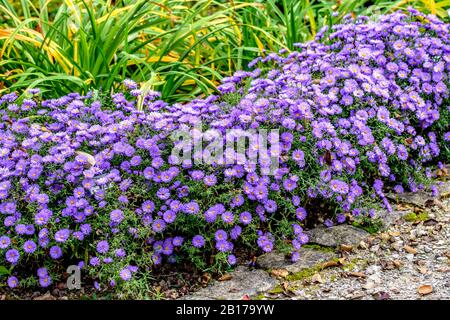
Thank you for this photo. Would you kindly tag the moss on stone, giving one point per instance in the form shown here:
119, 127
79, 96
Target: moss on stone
276, 290
260, 296
357, 262
304, 273
370, 225
413, 217
318, 247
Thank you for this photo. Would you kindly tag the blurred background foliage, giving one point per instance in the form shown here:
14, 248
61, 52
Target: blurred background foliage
181, 48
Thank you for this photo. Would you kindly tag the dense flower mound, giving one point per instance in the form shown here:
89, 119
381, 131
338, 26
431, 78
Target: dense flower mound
92, 181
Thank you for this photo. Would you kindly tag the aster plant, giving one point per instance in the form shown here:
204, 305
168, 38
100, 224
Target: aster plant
360, 112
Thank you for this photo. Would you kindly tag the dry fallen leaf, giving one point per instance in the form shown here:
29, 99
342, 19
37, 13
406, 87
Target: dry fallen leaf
445, 195
279, 273
356, 274
422, 270
397, 263
205, 279
442, 172
346, 247
425, 289
403, 207
317, 278
287, 291
363, 245
418, 210
225, 277
387, 265
410, 249
329, 264
385, 236
342, 261
394, 233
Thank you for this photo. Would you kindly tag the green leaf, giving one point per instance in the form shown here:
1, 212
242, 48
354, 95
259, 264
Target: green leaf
3, 271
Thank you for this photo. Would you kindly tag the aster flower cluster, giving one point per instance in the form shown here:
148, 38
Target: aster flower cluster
86, 182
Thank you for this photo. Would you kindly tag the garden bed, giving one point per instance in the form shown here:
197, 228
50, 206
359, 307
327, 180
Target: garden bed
129, 188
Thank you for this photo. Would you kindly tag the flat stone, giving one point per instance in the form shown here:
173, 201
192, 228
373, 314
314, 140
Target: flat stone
46, 296
420, 198
243, 282
308, 258
337, 235
417, 199
389, 218
443, 186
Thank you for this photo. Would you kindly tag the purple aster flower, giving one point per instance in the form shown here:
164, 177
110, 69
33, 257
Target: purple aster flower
4, 242
42, 272
167, 248
245, 218
210, 180
13, 282
163, 193
169, 216
86, 229
340, 218
157, 259
289, 185
303, 238
125, 274
191, 208
220, 235
29, 246
223, 246
235, 232
62, 235
300, 213
297, 229
120, 253
228, 217
116, 216
237, 201
177, 241
158, 225
231, 259
148, 206
270, 206
12, 256
45, 281
55, 252
102, 247
198, 241
94, 261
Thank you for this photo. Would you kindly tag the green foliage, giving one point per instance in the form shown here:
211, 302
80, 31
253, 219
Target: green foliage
368, 224
3, 271
416, 217
181, 48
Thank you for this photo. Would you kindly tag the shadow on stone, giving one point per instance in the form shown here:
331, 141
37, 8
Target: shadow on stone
308, 258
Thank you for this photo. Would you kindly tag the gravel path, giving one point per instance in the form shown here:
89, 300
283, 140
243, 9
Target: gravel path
409, 259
